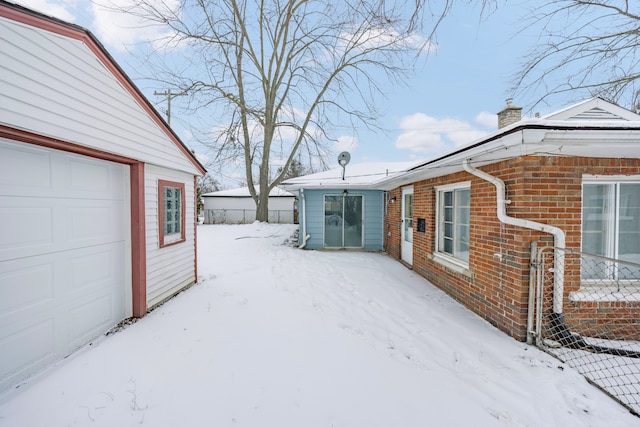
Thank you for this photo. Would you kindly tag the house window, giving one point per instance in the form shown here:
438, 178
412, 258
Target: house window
171, 212
611, 229
453, 221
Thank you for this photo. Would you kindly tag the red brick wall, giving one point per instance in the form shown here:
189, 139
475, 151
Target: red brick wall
392, 224
541, 189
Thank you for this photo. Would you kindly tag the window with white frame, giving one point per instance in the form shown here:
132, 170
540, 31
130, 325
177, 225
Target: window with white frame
453, 213
610, 228
171, 213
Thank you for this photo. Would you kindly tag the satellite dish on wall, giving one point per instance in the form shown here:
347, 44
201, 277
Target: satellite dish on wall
343, 160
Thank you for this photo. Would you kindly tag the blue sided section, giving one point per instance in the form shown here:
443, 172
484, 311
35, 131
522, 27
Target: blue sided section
317, 223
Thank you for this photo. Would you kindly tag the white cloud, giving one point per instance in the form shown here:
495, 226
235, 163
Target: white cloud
56, 8
422, 142
120, 30
431, 135
488, 120
346, 143
378, 38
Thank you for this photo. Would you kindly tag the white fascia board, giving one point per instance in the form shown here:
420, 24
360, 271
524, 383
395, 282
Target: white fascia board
540, 141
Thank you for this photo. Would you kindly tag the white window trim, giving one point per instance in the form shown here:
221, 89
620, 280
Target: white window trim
173, 238
444, 258
603, 179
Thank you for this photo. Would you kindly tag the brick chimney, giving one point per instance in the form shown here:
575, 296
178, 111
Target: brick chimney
509, 115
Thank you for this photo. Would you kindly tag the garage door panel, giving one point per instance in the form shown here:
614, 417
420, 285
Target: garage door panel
29, 170
24, 283
64, 257
95, 267
31, 229
29, 347
90, 319
18, 179
24, 228
94, 222
93, 176
49, 310
62, 280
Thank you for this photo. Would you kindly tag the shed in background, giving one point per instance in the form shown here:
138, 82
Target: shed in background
236, 206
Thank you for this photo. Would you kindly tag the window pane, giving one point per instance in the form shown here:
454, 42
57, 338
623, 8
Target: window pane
333, 221
462, 206
462, 242
448, 214
454, 223
448, 246
172, 210
596, 218
408, 205
448, 198
463, 197
629, 223
353, 221
448, 230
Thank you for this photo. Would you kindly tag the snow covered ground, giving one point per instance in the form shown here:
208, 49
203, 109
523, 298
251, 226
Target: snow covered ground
277, 336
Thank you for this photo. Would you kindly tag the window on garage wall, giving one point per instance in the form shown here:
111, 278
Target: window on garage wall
171, 212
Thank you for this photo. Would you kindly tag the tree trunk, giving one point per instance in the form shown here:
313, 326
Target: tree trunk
262, 208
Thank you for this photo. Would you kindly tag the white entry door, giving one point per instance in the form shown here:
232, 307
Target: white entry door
63, 254
406, 235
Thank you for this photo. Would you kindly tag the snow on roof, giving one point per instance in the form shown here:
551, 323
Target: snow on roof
594, 109
244, 192
579, 129
591, 114
360, 175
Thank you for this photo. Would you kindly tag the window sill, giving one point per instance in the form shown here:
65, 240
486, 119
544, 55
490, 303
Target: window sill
172, 242
606, 294
453, 264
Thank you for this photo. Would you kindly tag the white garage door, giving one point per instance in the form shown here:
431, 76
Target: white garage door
63, 254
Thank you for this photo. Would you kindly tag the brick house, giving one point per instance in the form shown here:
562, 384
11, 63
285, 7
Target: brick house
465, 220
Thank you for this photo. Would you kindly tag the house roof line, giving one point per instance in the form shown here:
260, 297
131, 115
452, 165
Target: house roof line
243, 193
45, 22
521, 126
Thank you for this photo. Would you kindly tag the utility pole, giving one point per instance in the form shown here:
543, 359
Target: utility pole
169, 95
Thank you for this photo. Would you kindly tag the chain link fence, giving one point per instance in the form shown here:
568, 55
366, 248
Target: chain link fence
245, 216
595, 328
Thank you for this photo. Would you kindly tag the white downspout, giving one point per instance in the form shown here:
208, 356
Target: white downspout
305, 236
558, 234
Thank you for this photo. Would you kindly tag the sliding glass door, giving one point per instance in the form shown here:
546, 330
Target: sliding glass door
343, 221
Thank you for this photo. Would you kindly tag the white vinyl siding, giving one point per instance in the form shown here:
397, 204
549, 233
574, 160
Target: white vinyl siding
53, 86
169, 268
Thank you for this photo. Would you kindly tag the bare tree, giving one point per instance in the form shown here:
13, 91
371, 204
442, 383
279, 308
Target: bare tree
283, 75
205, 184
585, 46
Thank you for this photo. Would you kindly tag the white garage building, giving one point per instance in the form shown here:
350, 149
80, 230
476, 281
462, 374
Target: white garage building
236, 206
97, 195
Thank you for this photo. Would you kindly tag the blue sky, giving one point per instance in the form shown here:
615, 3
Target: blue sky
451, 100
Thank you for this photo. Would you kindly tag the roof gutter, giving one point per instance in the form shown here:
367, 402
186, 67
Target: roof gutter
558, 234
